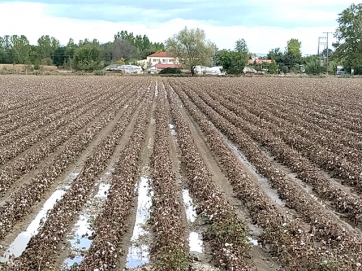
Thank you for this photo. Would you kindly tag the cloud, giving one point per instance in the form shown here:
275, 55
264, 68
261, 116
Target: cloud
158, 26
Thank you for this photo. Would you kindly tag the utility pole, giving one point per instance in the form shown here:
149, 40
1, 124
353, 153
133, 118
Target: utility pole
327, 48
321, 44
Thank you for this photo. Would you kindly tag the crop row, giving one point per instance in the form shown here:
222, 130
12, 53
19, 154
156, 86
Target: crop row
51, 123
21, 202
324, 148
48, 119
42, 111
335, 242
170, 250
23, 164
227, 234
29, 93
307, 171
111, 224
41, 249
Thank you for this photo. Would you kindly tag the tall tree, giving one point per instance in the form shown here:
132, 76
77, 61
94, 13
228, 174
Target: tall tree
87, 56
20, 49
349, 36
46, 49
276, 54
143, 46
241, 56
122, 48
293, 54
5, 50
191, 48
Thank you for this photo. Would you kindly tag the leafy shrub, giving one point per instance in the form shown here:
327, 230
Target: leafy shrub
170, 71
99, 72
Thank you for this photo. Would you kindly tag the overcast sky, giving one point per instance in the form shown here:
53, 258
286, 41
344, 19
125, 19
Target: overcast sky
264, 24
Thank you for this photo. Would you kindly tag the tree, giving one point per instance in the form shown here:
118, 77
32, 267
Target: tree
233, 62
122, 48
191, 48
87, 57
313, 65
20, 49
273, 68
349, 37
293, 55
107, 52
143, 46
5, 50
293, 47
324, 52
46, 49
241, 56
224, 58
276, 55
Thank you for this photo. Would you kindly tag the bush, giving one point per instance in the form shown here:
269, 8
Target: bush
99, 72
170, 71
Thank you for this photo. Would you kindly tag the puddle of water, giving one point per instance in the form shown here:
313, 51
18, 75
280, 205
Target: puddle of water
22, 240
253, 241
272, 193
189, 207
172, 128
156, 90
83, 228
103, 190
195, 242
195, 239
138, 254
73, 175
126, 106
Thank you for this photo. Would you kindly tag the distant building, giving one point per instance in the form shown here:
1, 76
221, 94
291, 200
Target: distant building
159, 61
161, 58
259, 61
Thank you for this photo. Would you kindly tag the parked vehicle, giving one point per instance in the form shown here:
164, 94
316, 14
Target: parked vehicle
340, 70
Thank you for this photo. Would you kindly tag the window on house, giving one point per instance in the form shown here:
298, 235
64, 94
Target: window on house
164, 60
170, 60
154, 60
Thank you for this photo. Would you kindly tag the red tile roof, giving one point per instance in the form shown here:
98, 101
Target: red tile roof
162, 54
163, 66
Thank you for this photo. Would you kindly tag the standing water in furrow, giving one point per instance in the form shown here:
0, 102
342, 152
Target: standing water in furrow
21, 241
138, 252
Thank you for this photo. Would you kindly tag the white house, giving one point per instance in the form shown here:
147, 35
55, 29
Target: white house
162, 60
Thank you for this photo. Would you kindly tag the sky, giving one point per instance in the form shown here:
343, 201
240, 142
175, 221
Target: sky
264, 24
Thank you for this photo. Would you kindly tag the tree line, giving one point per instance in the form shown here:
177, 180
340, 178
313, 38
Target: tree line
85, 55
191, 48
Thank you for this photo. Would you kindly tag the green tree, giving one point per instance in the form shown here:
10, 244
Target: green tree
87, 57
224, 58
143, 46
293, 47
46, 49
106, 52
273, 68
276, 55
20, 49
348, 47
293, 54
241, 56
5, 50
191, 48
313, 65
